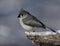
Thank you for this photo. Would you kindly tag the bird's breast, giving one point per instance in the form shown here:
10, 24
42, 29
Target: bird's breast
25, 26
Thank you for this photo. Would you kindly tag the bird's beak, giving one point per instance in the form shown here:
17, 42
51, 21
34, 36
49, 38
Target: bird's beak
19, 16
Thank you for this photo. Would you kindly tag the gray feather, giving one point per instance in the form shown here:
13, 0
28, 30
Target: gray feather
32, 21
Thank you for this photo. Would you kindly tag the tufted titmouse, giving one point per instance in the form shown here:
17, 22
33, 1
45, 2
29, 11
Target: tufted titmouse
29, 22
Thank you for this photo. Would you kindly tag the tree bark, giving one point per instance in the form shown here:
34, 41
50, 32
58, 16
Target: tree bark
47, 40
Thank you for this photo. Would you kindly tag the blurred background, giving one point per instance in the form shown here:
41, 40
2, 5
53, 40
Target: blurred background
11, 32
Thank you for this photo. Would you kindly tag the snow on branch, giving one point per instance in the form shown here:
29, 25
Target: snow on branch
44, 38
40, 33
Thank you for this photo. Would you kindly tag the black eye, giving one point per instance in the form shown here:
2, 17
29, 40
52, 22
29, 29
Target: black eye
22, 14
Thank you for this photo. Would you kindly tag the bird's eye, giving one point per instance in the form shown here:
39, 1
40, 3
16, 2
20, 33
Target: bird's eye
22, 14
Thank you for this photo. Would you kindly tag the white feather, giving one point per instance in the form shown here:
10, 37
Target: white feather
25, 26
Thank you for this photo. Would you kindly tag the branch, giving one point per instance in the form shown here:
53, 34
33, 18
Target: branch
44, 38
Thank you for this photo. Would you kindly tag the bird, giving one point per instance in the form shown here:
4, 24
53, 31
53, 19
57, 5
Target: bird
30, 22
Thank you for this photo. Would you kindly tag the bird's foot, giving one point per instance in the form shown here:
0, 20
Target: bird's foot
33, 31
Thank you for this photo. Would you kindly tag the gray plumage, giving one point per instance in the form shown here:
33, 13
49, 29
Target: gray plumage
32, 21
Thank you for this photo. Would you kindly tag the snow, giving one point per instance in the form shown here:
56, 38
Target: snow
41, 33
58, 31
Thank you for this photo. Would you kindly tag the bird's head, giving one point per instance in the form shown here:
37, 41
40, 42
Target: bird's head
23, 14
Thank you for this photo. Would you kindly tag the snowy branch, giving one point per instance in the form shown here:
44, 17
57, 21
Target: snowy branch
47, 38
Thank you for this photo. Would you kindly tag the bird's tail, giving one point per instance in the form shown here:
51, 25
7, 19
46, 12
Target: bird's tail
53, 30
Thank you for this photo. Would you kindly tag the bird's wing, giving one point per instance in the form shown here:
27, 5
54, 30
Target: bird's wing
34, 22
42, 24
